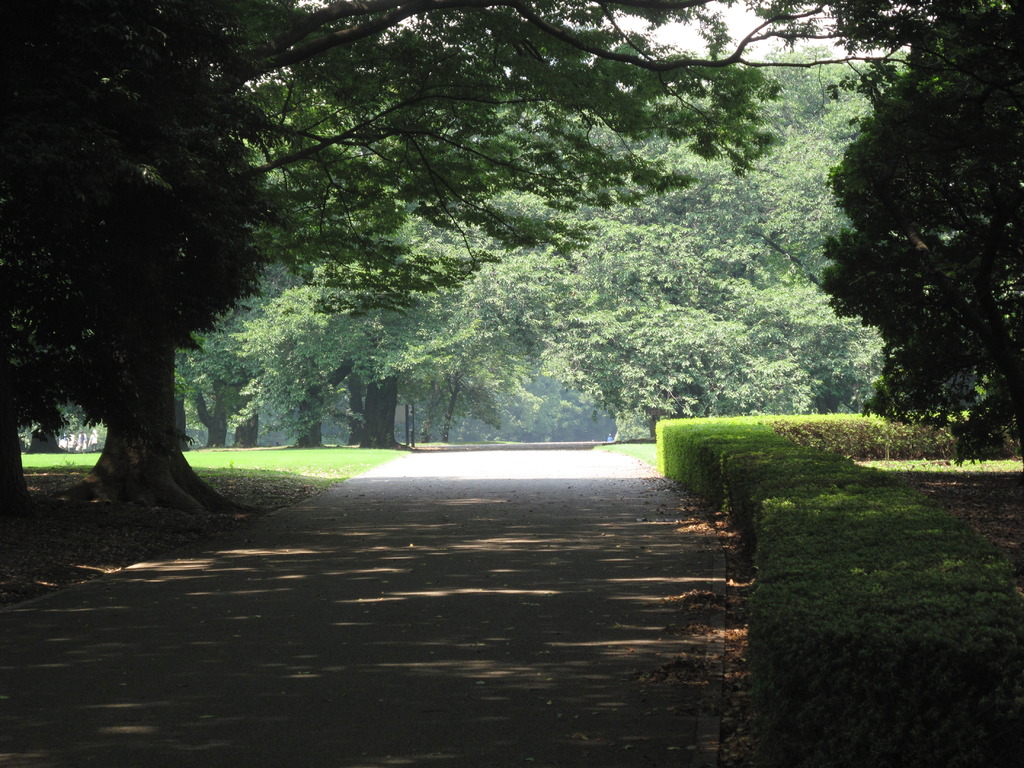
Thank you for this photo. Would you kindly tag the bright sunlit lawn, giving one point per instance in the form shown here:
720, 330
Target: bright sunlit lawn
332, 464
646, 452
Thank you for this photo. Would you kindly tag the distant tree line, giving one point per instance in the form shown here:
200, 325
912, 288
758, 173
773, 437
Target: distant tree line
160, 161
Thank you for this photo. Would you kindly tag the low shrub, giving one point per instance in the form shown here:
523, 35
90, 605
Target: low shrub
883, 632
862, 437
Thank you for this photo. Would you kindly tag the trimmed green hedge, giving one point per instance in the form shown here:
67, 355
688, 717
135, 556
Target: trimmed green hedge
883, 632
863, 437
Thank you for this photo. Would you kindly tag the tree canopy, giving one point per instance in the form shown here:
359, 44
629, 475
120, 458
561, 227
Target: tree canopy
154, 156
705, 301
126, 207
157, 122
442, 115
933, 189
700, 301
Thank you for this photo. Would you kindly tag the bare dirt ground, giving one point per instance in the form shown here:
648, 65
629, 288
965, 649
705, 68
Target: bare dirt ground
69, 543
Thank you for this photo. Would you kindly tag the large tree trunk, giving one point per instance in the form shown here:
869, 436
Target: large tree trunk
312, 437
247, 434
44, 443
379, 412
312, 408
14, 498
312, 434
654, 415
454, 390
357, 405
215, 421
142, 460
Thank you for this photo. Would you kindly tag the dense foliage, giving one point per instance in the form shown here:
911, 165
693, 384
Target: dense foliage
127, 213
933, 189
705, 301
436, 118
863, 438
697, 301
882, 631
135, 135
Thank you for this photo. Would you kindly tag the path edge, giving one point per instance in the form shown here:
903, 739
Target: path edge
709, 722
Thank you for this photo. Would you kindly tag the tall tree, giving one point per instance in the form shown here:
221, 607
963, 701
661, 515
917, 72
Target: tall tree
386, 108
473, 347
299, 359
704, 301
126, 214
933, 187
214, 374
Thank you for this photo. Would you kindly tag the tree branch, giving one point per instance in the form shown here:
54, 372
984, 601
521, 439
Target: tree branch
353, 134
293, 54
320, 18
381, 15
786, 253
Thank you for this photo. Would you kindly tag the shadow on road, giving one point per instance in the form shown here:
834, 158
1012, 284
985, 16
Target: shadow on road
400, 620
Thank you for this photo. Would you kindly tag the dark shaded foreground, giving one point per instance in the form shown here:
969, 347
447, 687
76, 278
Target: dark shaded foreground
488, 609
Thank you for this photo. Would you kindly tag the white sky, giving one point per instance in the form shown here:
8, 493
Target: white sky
741, 22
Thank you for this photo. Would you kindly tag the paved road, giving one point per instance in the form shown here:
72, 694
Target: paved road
449, 610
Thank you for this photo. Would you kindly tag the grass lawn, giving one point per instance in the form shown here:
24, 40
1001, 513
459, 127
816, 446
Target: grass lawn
944, 465
327, 463
646, 452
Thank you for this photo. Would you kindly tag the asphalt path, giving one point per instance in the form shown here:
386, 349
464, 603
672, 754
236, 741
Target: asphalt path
498, 608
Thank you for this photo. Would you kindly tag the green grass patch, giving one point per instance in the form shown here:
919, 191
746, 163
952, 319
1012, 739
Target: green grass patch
991, 466
329, 463
58, 461
646, 452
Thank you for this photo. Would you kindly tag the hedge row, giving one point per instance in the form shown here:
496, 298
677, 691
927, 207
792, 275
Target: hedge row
866, 437
882, 631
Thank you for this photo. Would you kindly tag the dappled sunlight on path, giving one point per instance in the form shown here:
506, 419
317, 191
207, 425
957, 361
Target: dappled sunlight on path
446, 609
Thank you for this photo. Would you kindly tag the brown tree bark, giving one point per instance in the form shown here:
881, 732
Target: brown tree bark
247, 433
142, 461
313, 406
312, 437
356, 404
215, 420
379, 413
14, 498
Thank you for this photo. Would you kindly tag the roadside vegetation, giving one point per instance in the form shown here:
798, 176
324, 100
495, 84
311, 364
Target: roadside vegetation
254, 224
646, 452
864, 585
333, 464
